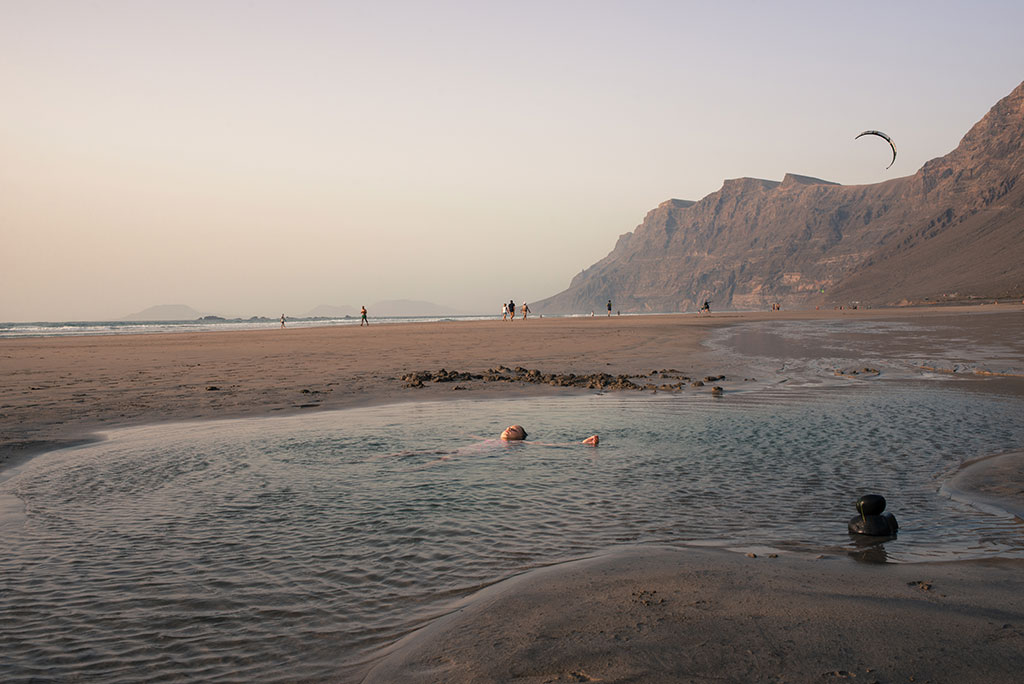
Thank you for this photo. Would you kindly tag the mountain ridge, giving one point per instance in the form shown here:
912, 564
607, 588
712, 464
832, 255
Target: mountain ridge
954, 229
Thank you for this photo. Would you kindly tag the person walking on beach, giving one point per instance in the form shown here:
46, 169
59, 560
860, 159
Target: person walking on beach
609, 307
282, 320
363, 320
504, 311
526, 310
511, 310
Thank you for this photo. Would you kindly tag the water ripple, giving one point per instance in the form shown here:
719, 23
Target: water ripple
288, 549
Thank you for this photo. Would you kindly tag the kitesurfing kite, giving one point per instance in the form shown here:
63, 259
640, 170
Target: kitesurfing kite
882, 135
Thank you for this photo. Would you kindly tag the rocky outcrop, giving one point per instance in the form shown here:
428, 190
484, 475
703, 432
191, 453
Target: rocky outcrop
953, 230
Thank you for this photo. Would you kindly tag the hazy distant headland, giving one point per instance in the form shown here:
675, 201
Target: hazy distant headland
166, 312
392, 307
950, 232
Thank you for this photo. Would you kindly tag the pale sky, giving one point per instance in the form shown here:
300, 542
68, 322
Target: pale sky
253, 158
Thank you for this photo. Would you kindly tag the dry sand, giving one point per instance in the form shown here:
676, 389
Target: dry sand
649, 615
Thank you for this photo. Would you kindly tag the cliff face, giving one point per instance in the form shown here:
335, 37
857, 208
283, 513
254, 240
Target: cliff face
956, 227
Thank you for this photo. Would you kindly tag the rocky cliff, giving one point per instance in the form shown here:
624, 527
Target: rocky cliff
953, 230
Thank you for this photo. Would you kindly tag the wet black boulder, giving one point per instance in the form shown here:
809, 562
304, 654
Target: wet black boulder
872, 520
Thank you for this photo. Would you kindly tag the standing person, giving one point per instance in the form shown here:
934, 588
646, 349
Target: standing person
526, 310
504, 311
282, 320
363, 320
609, 307
511, 310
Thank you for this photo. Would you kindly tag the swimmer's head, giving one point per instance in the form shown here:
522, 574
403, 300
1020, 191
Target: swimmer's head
513, 433
592, 440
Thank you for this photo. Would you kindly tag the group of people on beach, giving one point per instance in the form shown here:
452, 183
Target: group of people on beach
508, 311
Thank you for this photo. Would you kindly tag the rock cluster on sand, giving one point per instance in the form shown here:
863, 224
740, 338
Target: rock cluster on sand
520, 374
851, 372
600, 381
417, 378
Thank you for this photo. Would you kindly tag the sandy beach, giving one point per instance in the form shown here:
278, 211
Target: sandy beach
647, 614
62, 389
57, 390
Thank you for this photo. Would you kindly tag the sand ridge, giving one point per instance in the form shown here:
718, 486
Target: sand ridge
655, 614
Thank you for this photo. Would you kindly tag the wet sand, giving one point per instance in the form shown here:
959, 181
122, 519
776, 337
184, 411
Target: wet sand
699, 615
726, 616
994, 483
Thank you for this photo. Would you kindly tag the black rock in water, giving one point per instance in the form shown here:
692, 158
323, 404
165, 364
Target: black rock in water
871, 504
871, 519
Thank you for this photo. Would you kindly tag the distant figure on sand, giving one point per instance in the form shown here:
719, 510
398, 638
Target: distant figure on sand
511, 310
363, 320
282, 320
706, 306
504, 311
609, 307
526, 310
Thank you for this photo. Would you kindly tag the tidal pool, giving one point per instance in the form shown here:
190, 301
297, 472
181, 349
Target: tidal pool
289, 549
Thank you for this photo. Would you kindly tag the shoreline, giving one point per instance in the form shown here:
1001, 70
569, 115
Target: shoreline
64, 391
643, 613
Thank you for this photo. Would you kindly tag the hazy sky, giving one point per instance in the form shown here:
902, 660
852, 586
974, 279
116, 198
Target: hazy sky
257, 157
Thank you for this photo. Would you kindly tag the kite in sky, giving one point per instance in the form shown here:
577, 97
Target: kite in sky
882, 135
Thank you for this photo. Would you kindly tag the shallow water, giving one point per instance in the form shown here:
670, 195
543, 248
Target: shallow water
982, 345
291, 548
